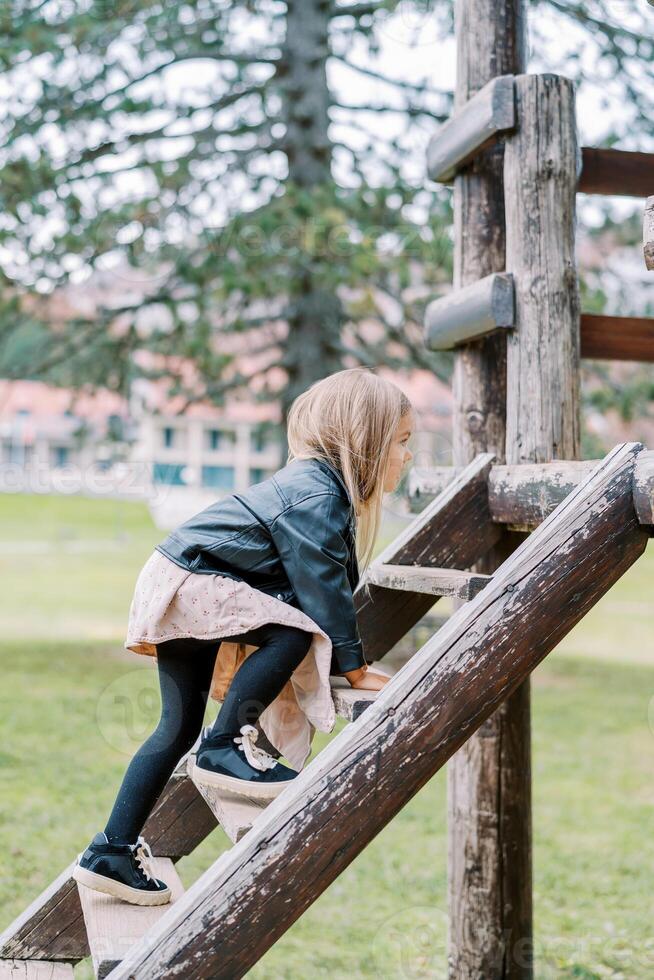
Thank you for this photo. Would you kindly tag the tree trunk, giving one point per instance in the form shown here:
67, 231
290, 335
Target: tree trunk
315, 317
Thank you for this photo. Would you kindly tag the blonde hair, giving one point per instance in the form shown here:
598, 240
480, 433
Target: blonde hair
349, 419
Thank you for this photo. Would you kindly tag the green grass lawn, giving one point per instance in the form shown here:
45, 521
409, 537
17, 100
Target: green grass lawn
75, 706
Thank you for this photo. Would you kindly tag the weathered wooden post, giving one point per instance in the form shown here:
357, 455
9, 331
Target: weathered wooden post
489, 853
648, 233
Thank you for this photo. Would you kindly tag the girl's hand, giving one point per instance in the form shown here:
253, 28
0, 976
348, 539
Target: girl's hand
366, 680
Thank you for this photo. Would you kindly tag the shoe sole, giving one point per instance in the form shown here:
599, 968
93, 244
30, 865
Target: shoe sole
242, 787
109, 886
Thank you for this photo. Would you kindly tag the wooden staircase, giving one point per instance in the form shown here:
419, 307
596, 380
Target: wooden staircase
288, 851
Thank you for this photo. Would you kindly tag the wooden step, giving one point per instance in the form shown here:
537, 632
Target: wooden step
35, 970
51, 927
454, 531
181, 819
113, 926
236, 812
430, 581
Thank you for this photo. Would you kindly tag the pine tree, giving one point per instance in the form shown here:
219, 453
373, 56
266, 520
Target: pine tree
256, 200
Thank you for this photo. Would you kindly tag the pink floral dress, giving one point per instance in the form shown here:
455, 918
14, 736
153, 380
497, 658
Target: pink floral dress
170, 602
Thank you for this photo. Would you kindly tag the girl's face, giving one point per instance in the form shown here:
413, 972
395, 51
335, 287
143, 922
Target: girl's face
399, 454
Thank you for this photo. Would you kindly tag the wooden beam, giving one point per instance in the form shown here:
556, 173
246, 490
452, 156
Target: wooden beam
617, 338
454, 531
180, 820
471, 312
644, 489
317, 826
349, 702
51, 927
431, 581
622, 172
35, 970
113, 926
234, 812
473, 127
648, 231
524, 494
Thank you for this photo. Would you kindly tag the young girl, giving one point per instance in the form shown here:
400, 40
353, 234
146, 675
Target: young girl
274, 567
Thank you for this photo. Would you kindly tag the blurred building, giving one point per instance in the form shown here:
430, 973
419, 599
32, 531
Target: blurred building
54, 440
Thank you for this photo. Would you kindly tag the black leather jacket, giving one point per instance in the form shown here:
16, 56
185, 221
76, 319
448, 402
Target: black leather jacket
291, 536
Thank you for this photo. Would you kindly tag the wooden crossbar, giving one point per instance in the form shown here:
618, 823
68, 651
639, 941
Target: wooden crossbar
524, 494
620, 172
471, 312
490, 111
617, 338
341, 800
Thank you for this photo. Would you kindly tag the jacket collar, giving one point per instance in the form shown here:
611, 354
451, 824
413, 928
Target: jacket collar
336, 473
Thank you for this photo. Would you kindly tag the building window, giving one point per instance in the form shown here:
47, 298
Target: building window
60, 455
262, 439
168, 436
220, 438
258, 474
169, 473
218, 477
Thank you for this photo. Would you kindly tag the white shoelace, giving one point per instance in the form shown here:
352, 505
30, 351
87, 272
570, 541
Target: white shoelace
143, 855
256, 756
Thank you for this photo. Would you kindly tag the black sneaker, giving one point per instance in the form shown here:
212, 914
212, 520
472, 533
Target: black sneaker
234, 763
121, 870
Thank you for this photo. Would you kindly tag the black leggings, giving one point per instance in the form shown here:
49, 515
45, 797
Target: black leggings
185, 669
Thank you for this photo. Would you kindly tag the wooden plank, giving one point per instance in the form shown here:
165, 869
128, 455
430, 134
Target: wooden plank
648, 232
615, 172
234, 812
349, 702
223, 924
471, 312
113, 926
51, 927
643, 489
454, 531
237, 812
473, 127
430, 581
524, 494
617, 338
35, 970
180, 820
